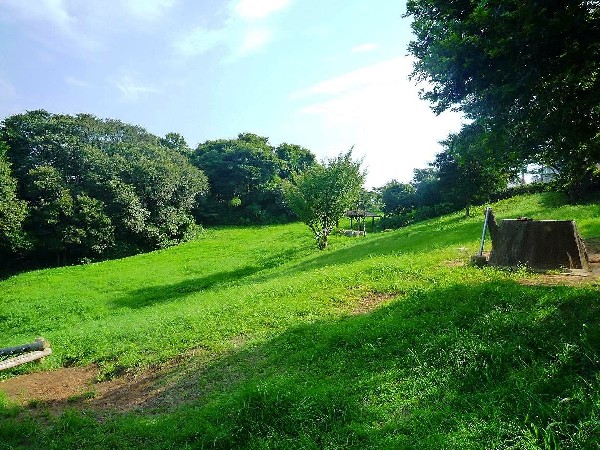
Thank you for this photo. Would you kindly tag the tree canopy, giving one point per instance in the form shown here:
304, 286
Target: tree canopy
98, 187
12, 209
245, 178
526, 71
322, 194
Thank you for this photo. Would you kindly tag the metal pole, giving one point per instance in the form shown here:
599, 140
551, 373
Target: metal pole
485, 224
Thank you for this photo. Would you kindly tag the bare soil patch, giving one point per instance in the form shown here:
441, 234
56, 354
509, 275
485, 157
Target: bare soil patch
370, 302
78, 387
73, 387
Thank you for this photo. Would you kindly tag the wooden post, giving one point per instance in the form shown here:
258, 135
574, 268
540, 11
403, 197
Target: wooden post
24, 358
24, 353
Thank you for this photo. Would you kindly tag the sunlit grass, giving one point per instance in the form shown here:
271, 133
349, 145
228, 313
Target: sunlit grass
456, 357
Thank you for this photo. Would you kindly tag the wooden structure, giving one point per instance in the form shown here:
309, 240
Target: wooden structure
25, 353
360, 216
538, 244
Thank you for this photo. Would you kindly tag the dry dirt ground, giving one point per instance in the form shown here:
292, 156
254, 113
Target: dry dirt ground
77, 387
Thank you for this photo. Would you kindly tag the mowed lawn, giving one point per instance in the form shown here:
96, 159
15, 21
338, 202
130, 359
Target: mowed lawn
388, 341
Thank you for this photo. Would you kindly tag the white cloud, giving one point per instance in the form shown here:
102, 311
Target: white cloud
132, 90
383, 72
364, 48
199, 41
255, 39
259, 9
52, 11
247, 29
378, 109
149, 9
56, 24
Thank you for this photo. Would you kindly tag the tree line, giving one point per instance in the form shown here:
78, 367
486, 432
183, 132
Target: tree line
79, 188
525, 75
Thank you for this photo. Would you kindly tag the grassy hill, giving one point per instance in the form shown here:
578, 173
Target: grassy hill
388, 341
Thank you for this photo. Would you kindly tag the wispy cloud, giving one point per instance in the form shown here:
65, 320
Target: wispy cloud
379, 110
56, 24
247, 29
77, 82
68, 25
259, 9
132, 89
199, 41
149, 9
255, 39
364, 48
51, 11
370, 76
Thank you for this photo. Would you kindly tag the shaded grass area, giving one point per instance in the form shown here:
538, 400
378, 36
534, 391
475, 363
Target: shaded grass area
462, 358
494, 364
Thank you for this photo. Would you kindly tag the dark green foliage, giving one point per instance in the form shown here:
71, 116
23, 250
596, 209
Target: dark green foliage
294, 159
467, 172
245, 179
397, 197
433, 192
97, 188
525, 71
12, 209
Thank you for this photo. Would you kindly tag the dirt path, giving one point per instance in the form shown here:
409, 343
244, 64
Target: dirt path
77, 387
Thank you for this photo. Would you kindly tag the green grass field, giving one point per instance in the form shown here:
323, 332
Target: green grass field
455, 357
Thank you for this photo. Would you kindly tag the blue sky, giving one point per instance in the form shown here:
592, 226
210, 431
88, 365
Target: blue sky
324, 74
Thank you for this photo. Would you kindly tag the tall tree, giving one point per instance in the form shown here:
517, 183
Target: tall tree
294, 159
176, 141
51, 211
100, 186
12, 209
397, 197
245, 178
467, 170
321, 195
427, 188
525, 70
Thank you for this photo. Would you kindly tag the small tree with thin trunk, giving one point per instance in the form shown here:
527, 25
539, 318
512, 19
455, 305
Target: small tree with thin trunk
321, 195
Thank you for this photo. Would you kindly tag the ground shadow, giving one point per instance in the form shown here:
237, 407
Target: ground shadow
411, 240
486, 360
165, 293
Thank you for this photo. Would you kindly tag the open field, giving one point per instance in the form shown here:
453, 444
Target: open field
252, 338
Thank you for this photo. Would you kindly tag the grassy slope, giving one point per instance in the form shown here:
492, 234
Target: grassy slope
461, 358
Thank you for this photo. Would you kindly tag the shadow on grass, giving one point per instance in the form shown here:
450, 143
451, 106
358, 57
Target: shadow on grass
455, 231
467, 366
165, 293
415, 241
